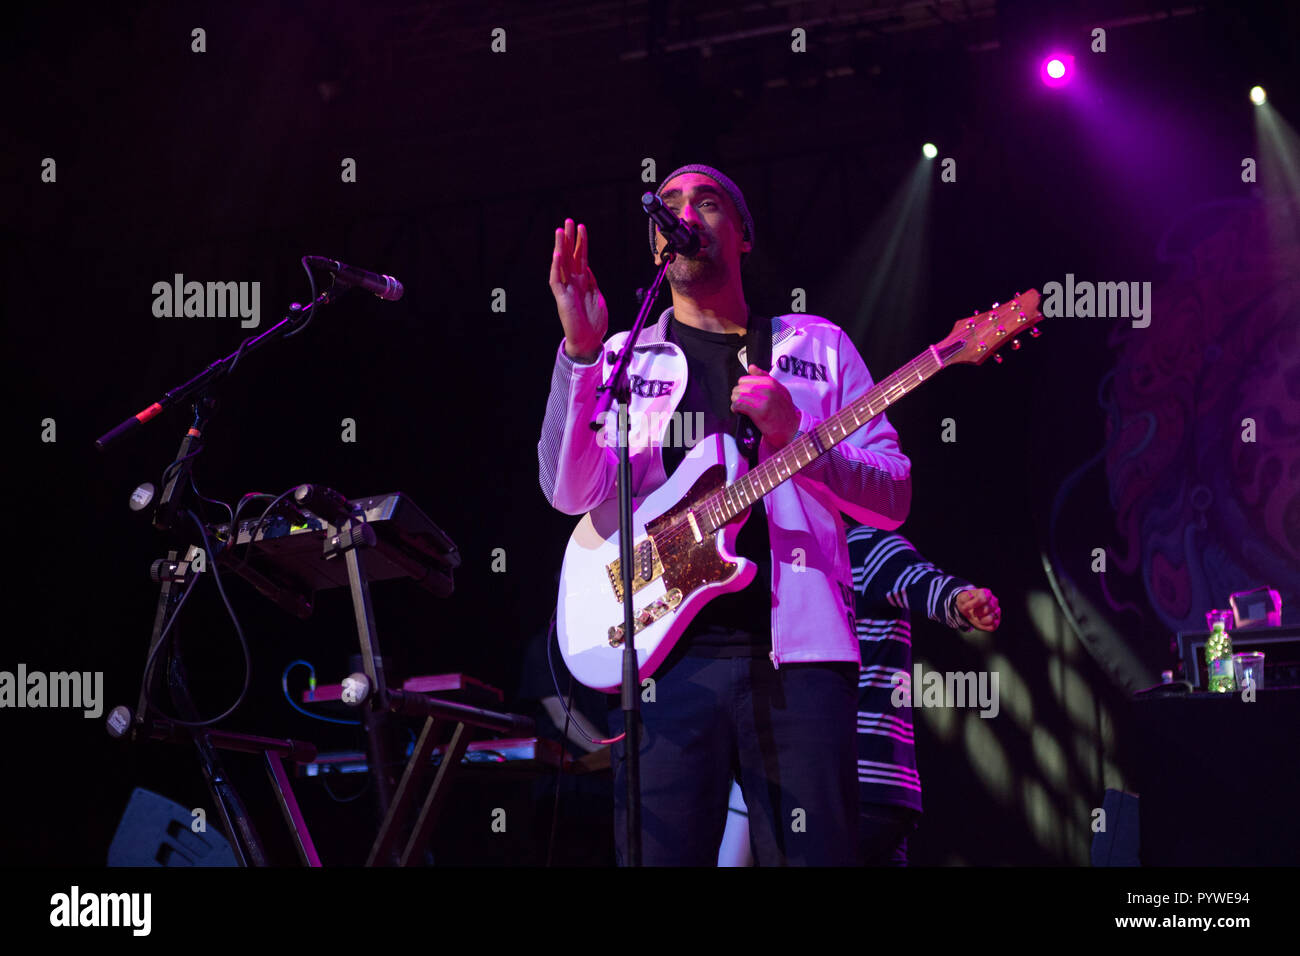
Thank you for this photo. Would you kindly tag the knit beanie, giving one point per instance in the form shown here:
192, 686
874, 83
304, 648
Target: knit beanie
728, 187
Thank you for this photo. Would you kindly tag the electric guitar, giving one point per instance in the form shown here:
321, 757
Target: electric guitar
685, 531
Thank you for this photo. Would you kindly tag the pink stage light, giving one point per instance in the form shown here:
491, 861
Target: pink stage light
1057, 69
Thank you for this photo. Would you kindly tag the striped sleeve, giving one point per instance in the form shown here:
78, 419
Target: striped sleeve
892, 572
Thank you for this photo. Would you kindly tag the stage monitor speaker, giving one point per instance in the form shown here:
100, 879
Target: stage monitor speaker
156, 831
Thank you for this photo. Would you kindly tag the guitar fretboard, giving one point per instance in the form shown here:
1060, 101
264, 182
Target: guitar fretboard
719, 508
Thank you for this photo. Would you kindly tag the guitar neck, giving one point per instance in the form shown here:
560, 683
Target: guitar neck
721, 507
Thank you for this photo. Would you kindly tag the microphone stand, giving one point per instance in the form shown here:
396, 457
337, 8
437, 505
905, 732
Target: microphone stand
299, 315
244, 840
619, 389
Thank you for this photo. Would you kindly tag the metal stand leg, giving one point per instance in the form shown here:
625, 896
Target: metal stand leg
350, 539
234, 816
289, 807
412, 777
437, 796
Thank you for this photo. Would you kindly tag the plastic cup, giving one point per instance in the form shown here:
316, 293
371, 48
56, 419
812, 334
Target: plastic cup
1249, 666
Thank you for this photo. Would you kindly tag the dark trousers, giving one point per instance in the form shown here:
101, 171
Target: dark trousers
882, 834
788, 736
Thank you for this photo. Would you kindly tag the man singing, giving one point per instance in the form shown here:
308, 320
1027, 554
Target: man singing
763, 684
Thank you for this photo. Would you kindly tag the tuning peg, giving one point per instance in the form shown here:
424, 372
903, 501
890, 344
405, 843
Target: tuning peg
998, 359
1015, 344
1035, 332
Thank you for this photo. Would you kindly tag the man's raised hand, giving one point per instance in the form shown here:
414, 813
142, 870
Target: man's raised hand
577, 296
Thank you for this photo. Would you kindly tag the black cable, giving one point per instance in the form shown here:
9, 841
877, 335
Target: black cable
234, 530
358, 514
555, 682
261, 521
356, 796
559, 774
213, 501
177, 463
162, 639
239, 353
564, 740
243, 642
310, 311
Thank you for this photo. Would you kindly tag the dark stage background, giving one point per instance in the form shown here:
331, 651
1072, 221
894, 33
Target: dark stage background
226, 165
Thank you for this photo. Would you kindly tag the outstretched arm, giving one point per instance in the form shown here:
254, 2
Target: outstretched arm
576, 471
889, 570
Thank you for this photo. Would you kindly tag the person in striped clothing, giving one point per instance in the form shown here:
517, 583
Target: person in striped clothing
891, 580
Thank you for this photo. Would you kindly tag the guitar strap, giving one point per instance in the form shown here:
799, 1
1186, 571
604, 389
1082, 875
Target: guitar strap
758, 351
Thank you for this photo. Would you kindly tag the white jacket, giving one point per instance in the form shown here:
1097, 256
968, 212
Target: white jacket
866, 475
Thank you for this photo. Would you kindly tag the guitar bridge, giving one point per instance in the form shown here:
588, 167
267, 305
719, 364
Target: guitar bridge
647, 567
647, 616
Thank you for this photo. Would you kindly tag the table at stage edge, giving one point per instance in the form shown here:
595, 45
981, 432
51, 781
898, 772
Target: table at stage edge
1217, 778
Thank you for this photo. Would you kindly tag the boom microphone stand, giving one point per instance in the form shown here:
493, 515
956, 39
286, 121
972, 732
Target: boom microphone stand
168, 516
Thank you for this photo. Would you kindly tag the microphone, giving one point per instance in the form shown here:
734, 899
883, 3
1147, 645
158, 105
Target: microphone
681, 235
386, 287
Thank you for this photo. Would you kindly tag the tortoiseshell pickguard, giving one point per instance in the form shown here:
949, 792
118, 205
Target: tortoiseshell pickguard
689, 564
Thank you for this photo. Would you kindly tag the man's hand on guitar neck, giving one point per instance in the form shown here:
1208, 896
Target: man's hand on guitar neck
578, 299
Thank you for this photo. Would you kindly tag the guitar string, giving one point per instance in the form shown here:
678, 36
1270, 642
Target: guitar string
901, 380
769, 469
681, 526
718, 502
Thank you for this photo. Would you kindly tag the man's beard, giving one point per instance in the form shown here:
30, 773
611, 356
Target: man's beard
697, 275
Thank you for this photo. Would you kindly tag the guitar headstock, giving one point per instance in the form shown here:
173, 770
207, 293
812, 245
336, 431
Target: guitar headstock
974, 339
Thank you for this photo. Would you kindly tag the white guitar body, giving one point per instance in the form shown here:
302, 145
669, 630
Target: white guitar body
685, 570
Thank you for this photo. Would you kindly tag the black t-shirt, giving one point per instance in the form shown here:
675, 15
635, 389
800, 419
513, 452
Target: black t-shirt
737, 624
